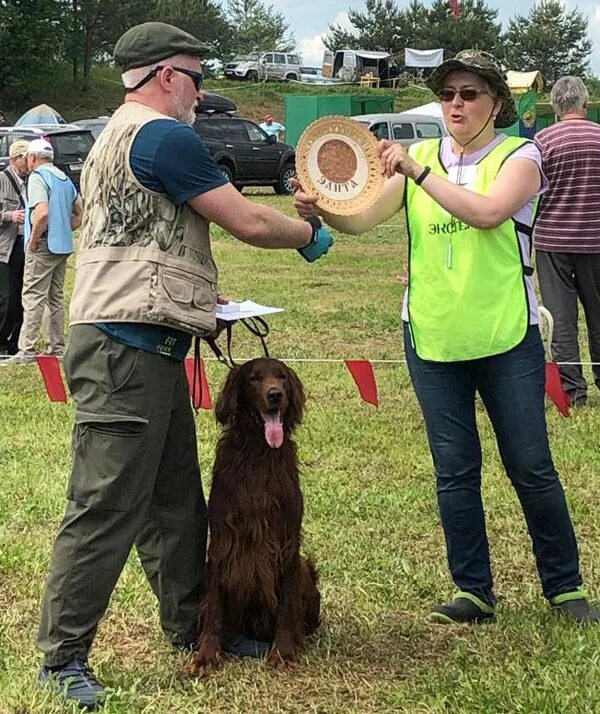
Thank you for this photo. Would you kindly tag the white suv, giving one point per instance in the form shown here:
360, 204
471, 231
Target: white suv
282, 66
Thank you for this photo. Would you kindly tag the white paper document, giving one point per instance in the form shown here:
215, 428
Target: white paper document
238, 310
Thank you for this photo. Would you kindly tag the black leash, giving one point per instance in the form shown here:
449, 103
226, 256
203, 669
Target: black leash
257, 326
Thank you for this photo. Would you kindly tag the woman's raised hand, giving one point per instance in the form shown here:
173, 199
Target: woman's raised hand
304, 203
394, 159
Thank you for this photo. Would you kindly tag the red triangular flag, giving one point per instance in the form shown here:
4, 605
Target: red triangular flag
50, 369
554, 389
201, 399
362, 373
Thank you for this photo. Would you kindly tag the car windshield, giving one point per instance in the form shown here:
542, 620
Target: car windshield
72, 146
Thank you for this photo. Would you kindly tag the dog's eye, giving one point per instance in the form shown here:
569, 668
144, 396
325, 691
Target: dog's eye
256, 377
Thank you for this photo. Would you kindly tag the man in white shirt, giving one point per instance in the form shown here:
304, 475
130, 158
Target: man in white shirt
272, 128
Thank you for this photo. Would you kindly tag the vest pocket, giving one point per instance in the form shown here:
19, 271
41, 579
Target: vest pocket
185, 299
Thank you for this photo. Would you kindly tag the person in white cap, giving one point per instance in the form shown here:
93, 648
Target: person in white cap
12, 260
53, 211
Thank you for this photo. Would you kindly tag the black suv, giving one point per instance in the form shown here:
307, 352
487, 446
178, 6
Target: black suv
71, 145
246, 155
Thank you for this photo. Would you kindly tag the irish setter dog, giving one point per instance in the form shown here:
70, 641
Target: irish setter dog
257, 583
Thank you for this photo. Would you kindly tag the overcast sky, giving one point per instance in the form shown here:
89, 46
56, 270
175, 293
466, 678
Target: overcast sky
309, 19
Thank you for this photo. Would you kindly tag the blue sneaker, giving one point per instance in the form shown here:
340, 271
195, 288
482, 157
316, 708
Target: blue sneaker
75, 682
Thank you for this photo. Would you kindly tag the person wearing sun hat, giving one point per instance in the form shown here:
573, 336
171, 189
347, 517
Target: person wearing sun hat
470, 321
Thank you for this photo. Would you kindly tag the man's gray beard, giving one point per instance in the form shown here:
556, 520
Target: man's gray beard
185, 116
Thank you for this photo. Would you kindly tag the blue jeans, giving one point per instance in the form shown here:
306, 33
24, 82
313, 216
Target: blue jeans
511, 386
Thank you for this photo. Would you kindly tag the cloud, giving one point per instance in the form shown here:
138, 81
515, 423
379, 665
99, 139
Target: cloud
312, 48
343, 21
594, 34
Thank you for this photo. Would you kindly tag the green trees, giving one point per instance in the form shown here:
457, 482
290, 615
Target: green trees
38, 36
385, 26
550, 39
256, 26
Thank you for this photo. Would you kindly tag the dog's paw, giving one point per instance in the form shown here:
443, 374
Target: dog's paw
202, 666
282, 660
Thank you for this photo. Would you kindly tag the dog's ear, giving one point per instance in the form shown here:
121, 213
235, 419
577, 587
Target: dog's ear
227, 402
295, 410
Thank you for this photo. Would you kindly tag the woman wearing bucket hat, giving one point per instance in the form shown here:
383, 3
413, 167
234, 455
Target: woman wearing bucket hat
470, 326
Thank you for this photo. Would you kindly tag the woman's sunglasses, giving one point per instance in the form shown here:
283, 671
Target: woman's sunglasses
467, 94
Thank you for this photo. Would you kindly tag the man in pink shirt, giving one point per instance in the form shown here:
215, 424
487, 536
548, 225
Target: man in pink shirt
567, 231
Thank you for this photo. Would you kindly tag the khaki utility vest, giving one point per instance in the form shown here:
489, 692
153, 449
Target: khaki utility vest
142, 259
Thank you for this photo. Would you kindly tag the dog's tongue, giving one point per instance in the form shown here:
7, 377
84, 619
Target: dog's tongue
273, 430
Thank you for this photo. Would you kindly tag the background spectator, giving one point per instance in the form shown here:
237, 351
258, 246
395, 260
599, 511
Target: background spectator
567, 231
53, 211
12, 259
272, 128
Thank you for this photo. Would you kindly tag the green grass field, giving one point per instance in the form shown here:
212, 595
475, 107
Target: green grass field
371, 524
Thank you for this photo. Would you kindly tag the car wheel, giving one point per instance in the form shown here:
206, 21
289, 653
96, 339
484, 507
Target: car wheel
284, 184
252, 76
226, 172
291, 77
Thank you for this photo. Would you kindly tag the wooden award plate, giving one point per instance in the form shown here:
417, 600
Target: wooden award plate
337, 160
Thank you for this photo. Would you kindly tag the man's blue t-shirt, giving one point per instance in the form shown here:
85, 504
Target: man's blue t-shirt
168, 157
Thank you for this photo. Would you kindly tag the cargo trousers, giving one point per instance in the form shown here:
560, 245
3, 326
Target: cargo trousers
135, 480
43, 286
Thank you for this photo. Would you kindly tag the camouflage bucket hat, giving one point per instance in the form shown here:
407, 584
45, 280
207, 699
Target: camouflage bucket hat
486, 66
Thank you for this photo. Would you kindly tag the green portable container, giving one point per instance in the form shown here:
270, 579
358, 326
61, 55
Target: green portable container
302, 110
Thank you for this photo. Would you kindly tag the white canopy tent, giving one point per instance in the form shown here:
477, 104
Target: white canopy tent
423, 58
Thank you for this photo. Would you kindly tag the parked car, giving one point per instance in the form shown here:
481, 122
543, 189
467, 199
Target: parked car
242, 66
405, 127
70, 143
246, 155
283, 66
95, 125
210, 103
215, 103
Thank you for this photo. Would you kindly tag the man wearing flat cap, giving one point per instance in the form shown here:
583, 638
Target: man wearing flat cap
12, 257
145, 284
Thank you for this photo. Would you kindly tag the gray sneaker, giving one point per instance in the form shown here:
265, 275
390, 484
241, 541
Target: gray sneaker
75, 682
20, 358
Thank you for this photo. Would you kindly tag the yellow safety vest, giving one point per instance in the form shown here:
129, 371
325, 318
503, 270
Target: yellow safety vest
468, 296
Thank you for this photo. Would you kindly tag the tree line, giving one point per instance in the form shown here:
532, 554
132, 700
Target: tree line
550, 38
38, 36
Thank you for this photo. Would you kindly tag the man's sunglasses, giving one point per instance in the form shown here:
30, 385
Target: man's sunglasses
196, 77
467, 94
